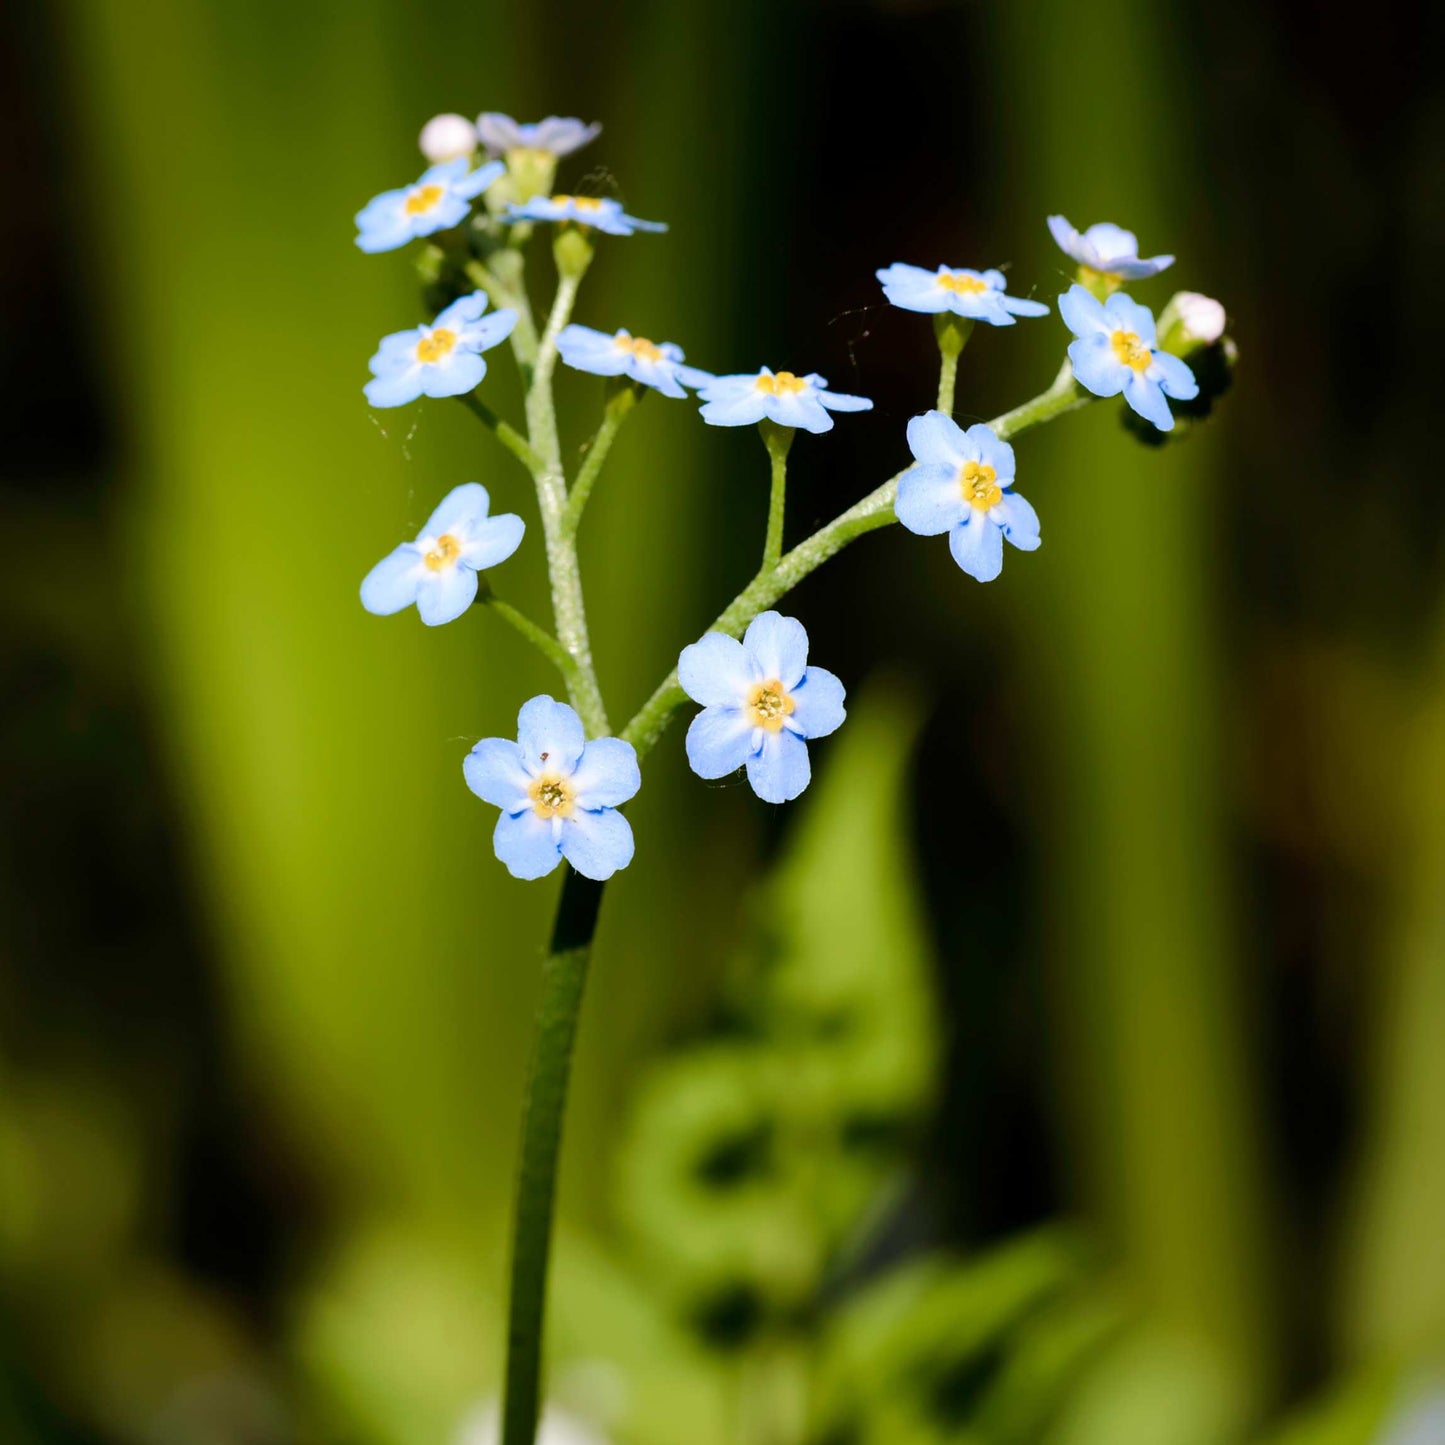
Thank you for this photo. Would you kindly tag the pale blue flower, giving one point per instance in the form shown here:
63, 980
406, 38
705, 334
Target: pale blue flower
655, 364
556, 136
558, 793
961, 483
761, 703
600, 213
440, 199
780, 396
443, 359
439, 570
1117, 351
1108, 249
978, 295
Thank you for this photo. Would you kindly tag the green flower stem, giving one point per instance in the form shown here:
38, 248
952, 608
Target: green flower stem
874, 511
564, 976
952, 333
511, 294
568, 609
619, 405
507, 434
538, 636
777, 439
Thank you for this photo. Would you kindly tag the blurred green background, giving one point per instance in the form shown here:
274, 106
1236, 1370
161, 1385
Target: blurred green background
1126, 879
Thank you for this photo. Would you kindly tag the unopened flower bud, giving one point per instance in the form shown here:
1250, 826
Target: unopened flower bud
447, 138
1190, 321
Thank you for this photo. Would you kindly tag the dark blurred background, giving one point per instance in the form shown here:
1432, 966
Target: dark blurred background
1175, 817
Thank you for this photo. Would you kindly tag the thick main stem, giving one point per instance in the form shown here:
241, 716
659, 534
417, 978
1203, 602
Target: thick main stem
564, 977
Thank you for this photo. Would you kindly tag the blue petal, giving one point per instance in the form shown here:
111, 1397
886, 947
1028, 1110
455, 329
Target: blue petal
977, 547
716, 671
443, 173
985, 446
691, 376
498, 132
395, 390
800, 409
733, 407
1066, 237
1147, 398
550, 734
817, 704
841, 401
385, 236
779, 647
1021, 306
526, 843
607, 774
462, 311
492, 540
391, 584
930, 499
1175, 377
494, 772
1112, 243
597, 844
936, 438
1083, 313
660, 375
490, 331
1127, 314
781, 770
443, 596
464, 503
719, 741
456, 375
1096, 368
1019, 521
473, 184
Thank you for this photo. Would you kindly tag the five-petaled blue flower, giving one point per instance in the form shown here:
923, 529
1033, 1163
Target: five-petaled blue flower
1108, 249
443, 359
761, 701
780, 396
601, 213
556, 136
558, 793
439, 570
441, 198
655, 364
960, 484
978, 295
1117, 351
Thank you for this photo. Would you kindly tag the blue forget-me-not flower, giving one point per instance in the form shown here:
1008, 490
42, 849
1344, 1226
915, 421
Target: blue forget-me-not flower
601, 213
780, 396
439, 570
761, 704
1108, 249
443, 359
440, 199
556, 136
978, 295
558, 793
1117, 351
960, 484
655, 364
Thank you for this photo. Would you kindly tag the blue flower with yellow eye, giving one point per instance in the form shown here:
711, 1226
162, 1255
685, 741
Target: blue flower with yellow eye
556, 136
558, 792
1107, 249
1117, 351
443, 359
655, 364
598, 213
439, 200
761, 703
438, 572
977, 295
961, 483
780, 396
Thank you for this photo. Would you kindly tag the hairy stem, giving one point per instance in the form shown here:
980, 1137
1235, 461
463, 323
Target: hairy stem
947, 375
512, 294
777, 439
564, 977
874, 511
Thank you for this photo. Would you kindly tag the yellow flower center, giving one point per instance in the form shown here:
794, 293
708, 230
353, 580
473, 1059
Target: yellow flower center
551, 796
963, 285
579, 203
979, 483
781, 383
444, 551
639, 346
438, 344
1131, 350
770, 703
422, 199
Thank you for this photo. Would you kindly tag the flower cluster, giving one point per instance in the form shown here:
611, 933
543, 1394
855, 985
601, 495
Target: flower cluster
560, 785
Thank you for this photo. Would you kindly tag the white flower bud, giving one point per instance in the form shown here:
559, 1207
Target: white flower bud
1202, 317
447, 137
